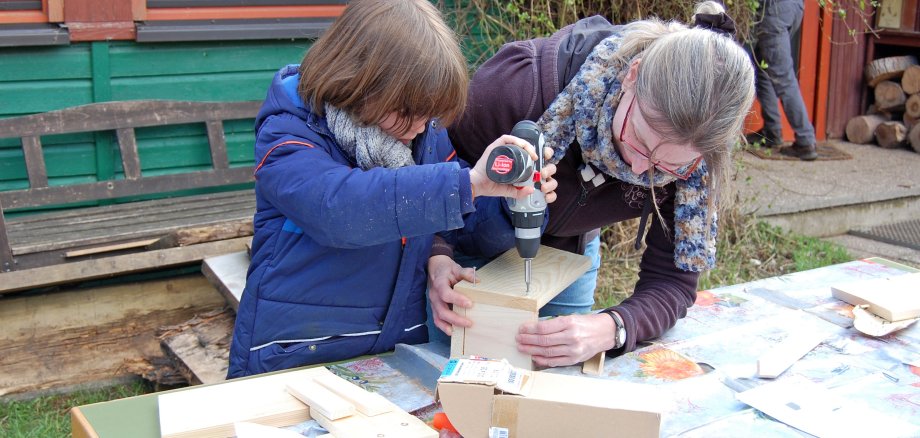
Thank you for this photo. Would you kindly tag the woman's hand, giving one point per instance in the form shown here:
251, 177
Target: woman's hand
548, 187
443, 274
566, 340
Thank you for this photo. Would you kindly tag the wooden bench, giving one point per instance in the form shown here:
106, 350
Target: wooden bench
115, 238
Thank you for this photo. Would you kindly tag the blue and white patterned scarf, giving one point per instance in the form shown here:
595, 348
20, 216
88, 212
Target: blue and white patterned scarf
584, 111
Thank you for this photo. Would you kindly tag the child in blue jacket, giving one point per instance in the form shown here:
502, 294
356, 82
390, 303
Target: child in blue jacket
354, 177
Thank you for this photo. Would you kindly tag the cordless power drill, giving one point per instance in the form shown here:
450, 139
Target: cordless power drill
509, 164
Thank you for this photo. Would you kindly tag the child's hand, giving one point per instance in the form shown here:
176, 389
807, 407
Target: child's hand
443, 274
483, 186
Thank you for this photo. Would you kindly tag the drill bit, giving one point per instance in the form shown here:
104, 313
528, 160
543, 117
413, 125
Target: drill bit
527, 275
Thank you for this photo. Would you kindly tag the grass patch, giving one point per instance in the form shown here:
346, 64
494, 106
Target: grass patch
49, 416
748, 250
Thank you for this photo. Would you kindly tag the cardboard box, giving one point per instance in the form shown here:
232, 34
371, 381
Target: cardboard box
490, 398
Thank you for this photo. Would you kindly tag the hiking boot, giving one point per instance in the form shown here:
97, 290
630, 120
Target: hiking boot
805, 152
764, 140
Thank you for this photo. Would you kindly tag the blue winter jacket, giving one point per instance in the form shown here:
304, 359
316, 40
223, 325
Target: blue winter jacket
339, 254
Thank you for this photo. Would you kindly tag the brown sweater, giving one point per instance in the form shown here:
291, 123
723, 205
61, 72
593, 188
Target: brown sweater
519, 83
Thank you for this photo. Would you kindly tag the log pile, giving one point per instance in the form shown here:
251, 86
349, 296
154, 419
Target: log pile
893, 120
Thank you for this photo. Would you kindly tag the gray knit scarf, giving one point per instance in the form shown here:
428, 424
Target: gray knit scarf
584, 112
369, 146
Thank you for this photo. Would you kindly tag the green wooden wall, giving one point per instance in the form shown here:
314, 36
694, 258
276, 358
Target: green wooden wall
38, 79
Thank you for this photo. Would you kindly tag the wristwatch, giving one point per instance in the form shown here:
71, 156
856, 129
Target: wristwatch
619, 337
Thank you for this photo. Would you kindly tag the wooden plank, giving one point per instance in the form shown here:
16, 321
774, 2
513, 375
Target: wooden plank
783, 355
131, 221
6, 253
458, 335
91, 269
228, 274
367, 403
262, 400
595, 365
80, 336
134, 214
501, 281
397, 423
200, 347
59, 195
35, 162
218, 142
109, 116
110, 248
130, 161
210, 233
894, 299
493, 333
321, 400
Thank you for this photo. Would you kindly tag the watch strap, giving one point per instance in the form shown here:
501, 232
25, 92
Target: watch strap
620, 333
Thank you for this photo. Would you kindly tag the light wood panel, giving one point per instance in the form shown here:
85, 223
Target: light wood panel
210, 411
501, 281
501, 304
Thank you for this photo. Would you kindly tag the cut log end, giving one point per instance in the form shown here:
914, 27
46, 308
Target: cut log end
861, 129
889, 96
914, 138
884, 69
891, 135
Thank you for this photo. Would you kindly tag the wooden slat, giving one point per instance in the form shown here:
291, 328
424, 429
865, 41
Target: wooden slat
147, 217
109, 116
200, 346
130, 161
228, 274
104, 213
91, 269
124, 188
218, 142
157, 225
35, 161
320, 399
109, 248
6, 253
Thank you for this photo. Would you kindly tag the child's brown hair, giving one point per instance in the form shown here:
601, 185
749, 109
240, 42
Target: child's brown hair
384, 56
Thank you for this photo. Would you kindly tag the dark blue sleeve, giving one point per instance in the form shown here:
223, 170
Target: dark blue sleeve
340, 206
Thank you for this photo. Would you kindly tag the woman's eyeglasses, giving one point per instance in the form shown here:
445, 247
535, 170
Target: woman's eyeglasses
682, 172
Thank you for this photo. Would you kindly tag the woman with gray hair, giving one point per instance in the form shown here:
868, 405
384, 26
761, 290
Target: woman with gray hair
642, 118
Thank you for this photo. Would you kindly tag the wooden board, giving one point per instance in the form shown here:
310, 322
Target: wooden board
321, 400
200, 347
210, 411
108, 267
390, 421
595, 365
894, 299
228, 274
367, 403
493, 334
84, 336
501, 281
109, 248
130, 221
210, 233
500, 304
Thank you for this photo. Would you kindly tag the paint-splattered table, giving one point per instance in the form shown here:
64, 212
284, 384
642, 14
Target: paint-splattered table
707, 354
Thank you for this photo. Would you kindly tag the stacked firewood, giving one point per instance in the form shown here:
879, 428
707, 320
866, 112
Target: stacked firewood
893, 120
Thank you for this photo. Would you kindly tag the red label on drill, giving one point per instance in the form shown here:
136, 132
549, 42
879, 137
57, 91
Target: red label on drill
502, 164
